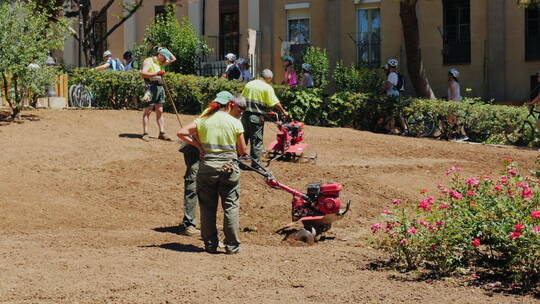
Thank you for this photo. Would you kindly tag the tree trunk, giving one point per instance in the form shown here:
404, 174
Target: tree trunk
415, 66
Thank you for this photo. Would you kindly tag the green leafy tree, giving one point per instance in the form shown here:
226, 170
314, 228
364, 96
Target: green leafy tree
179, 37
27, 38
320, 66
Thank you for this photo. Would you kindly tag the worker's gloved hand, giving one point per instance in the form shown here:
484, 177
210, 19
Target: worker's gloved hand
161, 73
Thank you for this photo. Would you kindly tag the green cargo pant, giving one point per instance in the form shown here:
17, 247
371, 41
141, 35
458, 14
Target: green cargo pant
253, 134
191, 158
212, 185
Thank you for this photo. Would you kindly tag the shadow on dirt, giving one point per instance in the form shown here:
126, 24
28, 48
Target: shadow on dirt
129, 135
5, 118
176, 247
169, 229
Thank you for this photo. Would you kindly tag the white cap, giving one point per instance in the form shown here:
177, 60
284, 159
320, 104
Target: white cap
107, 53
454, 72
306, 66
231, 56
266, 73
393, 62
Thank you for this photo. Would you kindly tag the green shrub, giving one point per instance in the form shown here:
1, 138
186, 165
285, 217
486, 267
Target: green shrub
179, 37
482, 122
320, 65
363, 80
484, 223
302, 104
111, 89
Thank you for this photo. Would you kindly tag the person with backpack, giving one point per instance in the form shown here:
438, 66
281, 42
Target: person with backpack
232, 71
110, 63
393, 86
535, 96
130, 64
307, 79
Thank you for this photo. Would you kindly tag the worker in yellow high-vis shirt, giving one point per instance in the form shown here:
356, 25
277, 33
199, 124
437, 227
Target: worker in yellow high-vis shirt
218, 134
260, 98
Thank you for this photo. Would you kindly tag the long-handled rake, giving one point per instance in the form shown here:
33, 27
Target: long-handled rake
169, 96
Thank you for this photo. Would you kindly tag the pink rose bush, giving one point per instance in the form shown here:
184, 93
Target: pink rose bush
477, 221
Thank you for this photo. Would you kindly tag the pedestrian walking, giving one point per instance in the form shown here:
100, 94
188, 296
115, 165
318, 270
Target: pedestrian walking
232, 71
290, 78
244, 70
260, 98
110, 63
218, 135
307, 79
154, 95
392, 92
454, 88
129, 63
454, 94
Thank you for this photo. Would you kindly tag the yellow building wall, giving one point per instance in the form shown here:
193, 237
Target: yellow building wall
430, 17
518, 71
243, 28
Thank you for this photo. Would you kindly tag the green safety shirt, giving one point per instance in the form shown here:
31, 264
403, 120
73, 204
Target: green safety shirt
260, 96
219, 132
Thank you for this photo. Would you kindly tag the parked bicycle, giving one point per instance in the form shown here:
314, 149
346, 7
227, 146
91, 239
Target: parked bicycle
415, 124
527, 132
81, 97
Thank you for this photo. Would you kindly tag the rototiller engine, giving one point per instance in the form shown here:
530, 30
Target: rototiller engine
316, 209
288, 144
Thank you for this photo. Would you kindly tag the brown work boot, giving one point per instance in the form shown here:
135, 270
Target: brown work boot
164, 136
145, 137
190, 231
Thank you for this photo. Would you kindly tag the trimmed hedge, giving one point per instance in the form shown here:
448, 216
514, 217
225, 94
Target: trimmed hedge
483, 122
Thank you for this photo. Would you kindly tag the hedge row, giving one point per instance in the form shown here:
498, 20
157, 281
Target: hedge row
483, 122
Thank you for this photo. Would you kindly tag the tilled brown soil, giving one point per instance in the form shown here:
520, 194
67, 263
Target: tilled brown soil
88, 214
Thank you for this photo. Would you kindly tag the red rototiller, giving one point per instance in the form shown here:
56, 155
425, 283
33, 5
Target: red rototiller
316, 209
288, 145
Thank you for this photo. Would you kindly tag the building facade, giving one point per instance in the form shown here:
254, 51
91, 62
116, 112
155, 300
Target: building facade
495, 44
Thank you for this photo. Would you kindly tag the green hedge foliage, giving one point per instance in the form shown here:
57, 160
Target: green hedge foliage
483, 122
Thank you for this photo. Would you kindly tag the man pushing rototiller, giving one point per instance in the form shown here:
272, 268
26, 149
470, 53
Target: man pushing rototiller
260, 98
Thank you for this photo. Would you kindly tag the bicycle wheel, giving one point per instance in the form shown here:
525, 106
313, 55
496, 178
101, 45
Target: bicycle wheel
86, 98
80, 96
73, 96
529, 133
420, 124
522, 136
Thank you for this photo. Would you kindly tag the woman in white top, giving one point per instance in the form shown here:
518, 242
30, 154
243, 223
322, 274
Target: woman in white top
454, 94
454, 89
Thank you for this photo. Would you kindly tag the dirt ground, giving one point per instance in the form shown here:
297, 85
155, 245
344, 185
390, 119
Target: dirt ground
88, 213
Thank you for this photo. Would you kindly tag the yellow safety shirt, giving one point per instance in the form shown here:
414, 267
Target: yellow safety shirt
260, 96
219, 132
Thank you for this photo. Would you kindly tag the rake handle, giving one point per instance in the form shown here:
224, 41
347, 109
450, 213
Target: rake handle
169, 96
